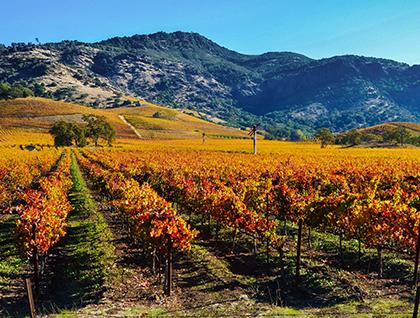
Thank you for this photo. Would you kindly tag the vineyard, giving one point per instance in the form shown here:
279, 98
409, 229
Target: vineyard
175, 228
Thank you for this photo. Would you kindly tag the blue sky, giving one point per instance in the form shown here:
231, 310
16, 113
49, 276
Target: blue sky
317, 28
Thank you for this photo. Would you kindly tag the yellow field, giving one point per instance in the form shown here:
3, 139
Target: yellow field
18, 136
272, 147
173, 124
39, 114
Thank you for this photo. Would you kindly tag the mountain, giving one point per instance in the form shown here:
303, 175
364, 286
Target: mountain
288, 93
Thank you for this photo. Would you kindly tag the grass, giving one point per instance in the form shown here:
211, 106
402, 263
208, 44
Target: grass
145, 312
218, 267
86, 254
34, 116
369, 309
12, 269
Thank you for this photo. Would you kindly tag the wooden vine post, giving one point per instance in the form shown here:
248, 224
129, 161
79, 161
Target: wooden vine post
30, 295
298, 254
168, 288
416, 261
267, 242
35, 261
416, 303
380, 263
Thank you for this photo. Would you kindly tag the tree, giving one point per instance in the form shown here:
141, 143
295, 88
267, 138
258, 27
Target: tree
157, 115
39, 89
401, 135
63, 133
8, 91
98, 127
109, 133
353, 137
325, 136
67, 134
79, 135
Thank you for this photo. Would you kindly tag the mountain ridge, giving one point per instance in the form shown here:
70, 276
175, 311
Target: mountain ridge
286, 92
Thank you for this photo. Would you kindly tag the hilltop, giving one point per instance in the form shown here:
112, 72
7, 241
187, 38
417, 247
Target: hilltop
37, 115
390, 134
413, 128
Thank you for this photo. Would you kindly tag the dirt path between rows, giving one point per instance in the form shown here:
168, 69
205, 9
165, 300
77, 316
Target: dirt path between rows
131, 126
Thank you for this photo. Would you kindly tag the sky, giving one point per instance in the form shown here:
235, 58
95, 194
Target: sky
316, 28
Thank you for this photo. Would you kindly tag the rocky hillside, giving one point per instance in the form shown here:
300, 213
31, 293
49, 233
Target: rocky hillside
289, 94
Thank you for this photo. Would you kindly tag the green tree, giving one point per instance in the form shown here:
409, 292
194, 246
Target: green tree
63, 133
4, 90
325, 136
354, 137
157, 115
98, 127
8, 91
401, 135
67, 134
109, 133
79, 135
39, 89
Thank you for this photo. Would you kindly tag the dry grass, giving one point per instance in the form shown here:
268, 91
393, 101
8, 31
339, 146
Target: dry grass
173, 124
413, 128
41, 113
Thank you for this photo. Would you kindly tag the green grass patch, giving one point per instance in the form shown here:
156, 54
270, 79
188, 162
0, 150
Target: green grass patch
13, 266
217, 267
87, 254
369, 309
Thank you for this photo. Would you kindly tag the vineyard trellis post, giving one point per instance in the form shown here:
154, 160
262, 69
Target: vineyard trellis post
416, 261
35, 260
416, 302
299, 246
30, 295
309, 237
169, 268
381, 263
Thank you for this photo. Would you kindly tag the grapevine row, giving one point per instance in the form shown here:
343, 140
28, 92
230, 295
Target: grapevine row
42, 213
374, 201
150, 218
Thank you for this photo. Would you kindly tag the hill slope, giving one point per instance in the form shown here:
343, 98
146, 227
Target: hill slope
412, 128
39, 114
282, 90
